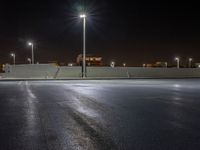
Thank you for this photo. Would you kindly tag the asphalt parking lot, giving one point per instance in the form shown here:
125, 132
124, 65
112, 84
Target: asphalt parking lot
139, 114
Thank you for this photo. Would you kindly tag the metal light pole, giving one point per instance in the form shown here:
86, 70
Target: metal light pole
13, 55
31, 44
178, 62
84, 44
166, 65
112, 64
29, 60
190, 62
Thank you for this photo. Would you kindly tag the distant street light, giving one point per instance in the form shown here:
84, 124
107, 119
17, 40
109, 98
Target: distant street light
70, 64
178, 62
112, 64
190, 62
143, 65
83, 16
124, 64
31, 44
29, 60
166, 65
13, 56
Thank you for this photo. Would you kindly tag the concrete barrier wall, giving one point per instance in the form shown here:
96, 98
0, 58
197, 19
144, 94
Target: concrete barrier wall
163, 72
139, 72
129, 72
68, 72
43, 71
1, 75
107, 72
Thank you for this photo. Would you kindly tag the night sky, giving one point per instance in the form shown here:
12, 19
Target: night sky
134, 32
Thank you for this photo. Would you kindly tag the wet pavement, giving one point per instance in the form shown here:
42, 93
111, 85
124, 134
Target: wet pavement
100, 114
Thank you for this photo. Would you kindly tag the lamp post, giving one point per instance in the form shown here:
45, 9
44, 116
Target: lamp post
83, 16
190, 62
29, 60
112, 64
178, 62
166, 65
13, 55
31, 44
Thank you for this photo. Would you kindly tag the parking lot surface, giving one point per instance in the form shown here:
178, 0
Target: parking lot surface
141, 114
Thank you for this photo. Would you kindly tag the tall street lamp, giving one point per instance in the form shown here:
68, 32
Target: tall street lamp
166, 65
112, 64
31, 44
83, 16
190, 62
178, 62
29, 60
13, 55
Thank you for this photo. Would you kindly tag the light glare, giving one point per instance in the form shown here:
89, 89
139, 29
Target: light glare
177, 58
83, 16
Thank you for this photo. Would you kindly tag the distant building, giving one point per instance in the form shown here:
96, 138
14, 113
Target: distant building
157, 64
161, 64
91, 60
149, 65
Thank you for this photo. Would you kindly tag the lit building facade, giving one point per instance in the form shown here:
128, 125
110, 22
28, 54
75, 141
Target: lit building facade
91, 60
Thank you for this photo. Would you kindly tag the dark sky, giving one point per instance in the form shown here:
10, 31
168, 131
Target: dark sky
134, 32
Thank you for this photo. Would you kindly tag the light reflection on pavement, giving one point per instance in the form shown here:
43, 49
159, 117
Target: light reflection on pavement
100, 114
